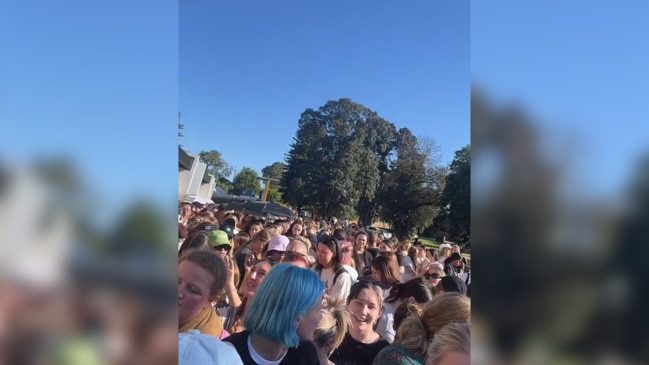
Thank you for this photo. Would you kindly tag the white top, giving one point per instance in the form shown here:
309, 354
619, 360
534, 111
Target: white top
384, 327
408, 269
260, 360
340, 288
463, 277
195, 348
352, 272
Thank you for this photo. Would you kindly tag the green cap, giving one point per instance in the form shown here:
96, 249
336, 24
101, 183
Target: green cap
218, 238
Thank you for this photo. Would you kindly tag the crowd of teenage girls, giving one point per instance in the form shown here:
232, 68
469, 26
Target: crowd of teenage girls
253, 291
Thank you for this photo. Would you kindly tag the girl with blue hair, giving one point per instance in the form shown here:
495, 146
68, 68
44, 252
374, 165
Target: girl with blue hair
282, 318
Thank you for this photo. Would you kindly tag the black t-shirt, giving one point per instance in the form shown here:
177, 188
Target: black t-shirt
352, 352
304, 354
362, 261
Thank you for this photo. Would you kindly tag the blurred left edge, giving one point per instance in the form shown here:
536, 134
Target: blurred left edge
88, 186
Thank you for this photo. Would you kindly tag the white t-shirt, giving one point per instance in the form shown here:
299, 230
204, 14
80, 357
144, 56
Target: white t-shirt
384, 327
341, 287
352, 273
408, 269
195, 348
260, 360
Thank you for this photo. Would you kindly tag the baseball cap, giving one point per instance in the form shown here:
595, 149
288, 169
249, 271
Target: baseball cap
453, 284
218, 238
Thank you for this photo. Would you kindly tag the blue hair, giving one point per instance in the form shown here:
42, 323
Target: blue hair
286, 293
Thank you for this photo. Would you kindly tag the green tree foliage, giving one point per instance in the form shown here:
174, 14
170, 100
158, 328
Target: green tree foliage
217, 167
456, 197
409, 196
274, 171
337, 159
246, 179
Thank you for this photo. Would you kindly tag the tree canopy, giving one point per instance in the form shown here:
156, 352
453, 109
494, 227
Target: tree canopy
217, 167
246, 181
456, 197
346, 159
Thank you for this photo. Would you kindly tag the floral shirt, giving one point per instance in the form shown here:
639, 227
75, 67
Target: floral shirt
398, 354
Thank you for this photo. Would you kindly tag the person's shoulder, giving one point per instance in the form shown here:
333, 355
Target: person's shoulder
228, 354
237, 338
304, 353
397, 354
388, 355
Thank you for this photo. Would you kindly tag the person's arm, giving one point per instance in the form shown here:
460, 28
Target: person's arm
230, 287
385, 327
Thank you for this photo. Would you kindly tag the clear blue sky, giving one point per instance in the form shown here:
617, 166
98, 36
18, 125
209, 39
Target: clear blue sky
579, 68
247, 72
96, 82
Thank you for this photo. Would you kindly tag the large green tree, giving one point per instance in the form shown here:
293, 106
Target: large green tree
456, 198
409, 196
274, 171
246, 180
336, 158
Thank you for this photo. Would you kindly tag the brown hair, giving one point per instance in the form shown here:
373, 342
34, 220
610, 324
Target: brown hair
262, 235
416, 331
212, 263
386, 264
404, 310
240, 239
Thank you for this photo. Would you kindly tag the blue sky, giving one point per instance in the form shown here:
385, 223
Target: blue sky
580, 69
248, 72
97, 83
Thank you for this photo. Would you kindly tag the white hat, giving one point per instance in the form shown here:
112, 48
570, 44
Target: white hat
278, 243
444, 245
195, 348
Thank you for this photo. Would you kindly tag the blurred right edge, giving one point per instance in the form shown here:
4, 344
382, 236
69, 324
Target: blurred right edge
558, 280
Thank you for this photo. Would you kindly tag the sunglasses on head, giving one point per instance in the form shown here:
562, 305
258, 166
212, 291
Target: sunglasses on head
431, 276
293, 256
380, 284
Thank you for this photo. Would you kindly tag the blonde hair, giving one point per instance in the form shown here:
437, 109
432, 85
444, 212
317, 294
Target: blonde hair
304, 240
417, 330
333, 326
455, 337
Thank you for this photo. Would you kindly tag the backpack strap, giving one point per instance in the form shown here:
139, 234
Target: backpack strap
340, 270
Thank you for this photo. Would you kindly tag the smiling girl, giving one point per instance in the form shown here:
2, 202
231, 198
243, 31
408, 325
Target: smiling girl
362, 343
249, 288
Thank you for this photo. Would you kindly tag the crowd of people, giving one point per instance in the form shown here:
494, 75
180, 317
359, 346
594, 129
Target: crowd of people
261, 291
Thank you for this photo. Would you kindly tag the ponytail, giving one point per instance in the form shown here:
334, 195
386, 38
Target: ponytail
333, 326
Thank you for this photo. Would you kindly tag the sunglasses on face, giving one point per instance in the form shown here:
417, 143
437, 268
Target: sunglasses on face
222, 248
273, 260
431, 276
